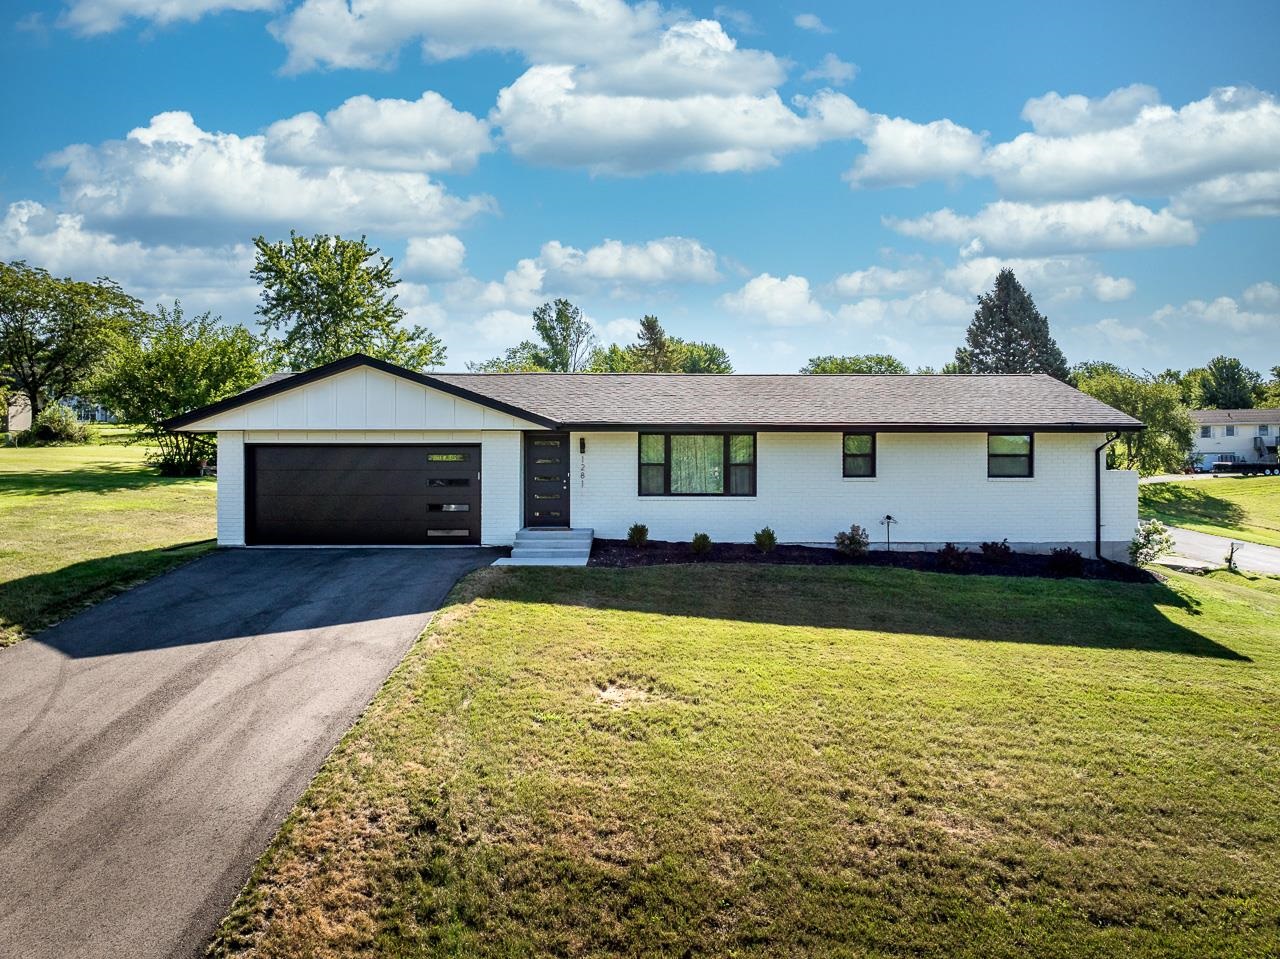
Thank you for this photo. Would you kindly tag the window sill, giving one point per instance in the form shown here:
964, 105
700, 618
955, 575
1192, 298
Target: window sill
859, 479
1011, 479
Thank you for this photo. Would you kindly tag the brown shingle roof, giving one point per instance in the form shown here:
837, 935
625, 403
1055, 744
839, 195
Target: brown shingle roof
744, 401
796, 401
1223, 417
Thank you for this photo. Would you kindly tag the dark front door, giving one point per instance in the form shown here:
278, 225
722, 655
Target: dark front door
546, 479
336, 494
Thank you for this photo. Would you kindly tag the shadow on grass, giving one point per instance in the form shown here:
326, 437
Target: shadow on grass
1066, 613
101, 476
1190, 502
32, 603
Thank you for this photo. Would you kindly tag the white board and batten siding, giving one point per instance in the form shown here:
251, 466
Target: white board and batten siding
368, 406
934, 484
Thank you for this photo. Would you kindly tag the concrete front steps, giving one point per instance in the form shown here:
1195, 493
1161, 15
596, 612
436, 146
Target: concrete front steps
550, 547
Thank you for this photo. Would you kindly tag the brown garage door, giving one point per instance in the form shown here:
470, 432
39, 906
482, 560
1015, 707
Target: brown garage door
362, 494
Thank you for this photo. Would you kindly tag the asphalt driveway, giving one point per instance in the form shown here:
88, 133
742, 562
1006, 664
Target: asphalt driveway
151, 746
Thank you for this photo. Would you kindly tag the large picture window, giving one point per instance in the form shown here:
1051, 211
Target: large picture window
1010, 455
859, 454
697, 464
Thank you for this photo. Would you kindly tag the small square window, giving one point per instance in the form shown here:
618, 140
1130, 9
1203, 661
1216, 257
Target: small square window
1231, 431
1010, 455
1264, 430
1206, 432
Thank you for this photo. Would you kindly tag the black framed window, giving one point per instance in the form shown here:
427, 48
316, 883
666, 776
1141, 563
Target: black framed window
1010, 455
1206, 432
859, 454
697, 464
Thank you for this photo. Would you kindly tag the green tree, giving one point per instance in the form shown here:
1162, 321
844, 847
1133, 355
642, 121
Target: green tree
653, 350
54, 332
170, 364
1091, 368
862, 363
1009, 335
702, 358
1228, 384
567, 344
1268, 394
324, 298
1166, 443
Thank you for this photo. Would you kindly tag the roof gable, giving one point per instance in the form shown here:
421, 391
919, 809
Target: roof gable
357, 393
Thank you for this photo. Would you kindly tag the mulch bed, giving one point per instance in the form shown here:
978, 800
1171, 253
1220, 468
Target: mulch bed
616, 553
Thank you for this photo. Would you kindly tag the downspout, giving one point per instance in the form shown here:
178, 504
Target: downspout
1097, 495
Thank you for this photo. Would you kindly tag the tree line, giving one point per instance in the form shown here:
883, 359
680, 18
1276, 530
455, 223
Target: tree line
326, 297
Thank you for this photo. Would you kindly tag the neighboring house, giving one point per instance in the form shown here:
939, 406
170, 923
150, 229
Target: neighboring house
17, 414
1247, 436
361, 451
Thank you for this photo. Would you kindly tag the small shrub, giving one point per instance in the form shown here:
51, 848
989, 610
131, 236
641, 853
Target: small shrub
998, 554
952, 558
638, 535
1151, 542
1066, 561
53, 425
766, 540
854, 542
701, 544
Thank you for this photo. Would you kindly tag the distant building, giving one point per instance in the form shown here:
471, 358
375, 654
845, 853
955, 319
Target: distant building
1245, 436
17, 416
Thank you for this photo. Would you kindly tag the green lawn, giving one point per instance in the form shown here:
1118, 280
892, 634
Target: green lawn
800, 761
80, 522
1246, 509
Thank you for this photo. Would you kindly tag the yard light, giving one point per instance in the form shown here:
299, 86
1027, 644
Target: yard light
887, 522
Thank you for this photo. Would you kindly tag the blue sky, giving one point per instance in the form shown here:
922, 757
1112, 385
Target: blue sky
784, 181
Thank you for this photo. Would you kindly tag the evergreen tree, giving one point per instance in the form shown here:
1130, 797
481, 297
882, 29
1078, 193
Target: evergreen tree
1009, 335
653, 349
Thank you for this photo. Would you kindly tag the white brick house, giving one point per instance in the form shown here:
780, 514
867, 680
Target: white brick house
361, 451
1247, 435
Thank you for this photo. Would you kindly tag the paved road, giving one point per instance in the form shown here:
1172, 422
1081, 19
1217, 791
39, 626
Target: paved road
151, 746
1213, 549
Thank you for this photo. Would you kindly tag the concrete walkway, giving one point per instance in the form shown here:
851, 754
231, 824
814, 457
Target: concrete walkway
151, 746
1213, 549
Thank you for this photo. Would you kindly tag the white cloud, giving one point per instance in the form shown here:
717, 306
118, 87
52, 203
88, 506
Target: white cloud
1055, 115
671, 259
171, 177
1223, 311
1114, 332
740, 20
504, 327
90, 17
877, 280
547, 119
204, 277
1231, 196
620, 331
1007, 227
811, 22
426, 135
1265, 295
1160, 150
833, 70
901, 152
1053, 278
928, 307
334, 33
776, 300
434, 257
690, 57
519, 288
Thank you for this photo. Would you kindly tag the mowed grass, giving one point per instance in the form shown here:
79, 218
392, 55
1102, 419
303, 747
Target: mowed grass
1246, 509
799, 761
78, 523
